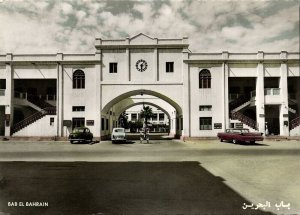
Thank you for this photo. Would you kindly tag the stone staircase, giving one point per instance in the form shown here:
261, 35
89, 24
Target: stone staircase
238, 105
43, 108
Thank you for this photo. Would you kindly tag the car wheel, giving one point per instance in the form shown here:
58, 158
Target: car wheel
234, 141
252, 142
71, 141
221, 140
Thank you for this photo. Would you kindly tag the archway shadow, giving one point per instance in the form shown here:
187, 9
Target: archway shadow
118, 188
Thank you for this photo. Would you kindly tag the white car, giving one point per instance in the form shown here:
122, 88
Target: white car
118, 134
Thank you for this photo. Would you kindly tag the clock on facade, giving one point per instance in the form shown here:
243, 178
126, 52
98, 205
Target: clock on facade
141, 65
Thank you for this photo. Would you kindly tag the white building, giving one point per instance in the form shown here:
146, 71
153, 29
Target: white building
47, 95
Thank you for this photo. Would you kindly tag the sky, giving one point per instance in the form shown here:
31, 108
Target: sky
71, 26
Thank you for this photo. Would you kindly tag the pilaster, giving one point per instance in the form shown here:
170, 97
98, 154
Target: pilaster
9, 94
260, 97
186, 130
225, 100
156, 70
60, 99
283, 118
98, 67
127, 69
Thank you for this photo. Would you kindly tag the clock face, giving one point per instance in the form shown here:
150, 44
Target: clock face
141, 65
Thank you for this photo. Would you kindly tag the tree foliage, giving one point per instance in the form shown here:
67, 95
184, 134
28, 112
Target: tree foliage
146, 113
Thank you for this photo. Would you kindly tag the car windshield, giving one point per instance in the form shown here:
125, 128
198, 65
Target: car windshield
78, 130
238, 131
119, 130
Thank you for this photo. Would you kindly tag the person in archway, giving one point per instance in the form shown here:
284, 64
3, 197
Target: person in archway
266, 129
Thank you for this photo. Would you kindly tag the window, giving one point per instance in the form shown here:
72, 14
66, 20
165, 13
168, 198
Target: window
102, 124
169, 66
133, 116
205, 123
204, 79
78, 108
113, 67
51, 121
205, 107
161, 117
154, 117
77, 122
106, 124
78, 79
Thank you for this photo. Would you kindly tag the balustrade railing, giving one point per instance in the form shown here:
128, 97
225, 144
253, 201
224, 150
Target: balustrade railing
272, 91
294, 123
244, 119
20, 95
38, 101
253, 94
233, 96
238, 102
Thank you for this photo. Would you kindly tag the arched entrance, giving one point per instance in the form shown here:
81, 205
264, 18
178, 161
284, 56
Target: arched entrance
114, 107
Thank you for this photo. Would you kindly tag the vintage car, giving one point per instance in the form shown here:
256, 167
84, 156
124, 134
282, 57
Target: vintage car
81, 134
240, 135
118, 135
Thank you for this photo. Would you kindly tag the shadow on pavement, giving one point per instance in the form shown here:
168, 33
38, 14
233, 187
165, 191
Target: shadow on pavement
167, 188
247, 143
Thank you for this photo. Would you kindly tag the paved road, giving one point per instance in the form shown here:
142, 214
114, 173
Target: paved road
165, 177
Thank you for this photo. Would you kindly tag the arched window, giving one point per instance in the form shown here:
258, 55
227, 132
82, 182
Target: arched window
204, 79
78, 79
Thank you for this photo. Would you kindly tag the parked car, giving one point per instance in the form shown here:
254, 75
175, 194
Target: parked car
118, 135
240, 135
81, 134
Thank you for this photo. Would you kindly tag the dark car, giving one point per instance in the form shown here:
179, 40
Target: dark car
81, 134
240, 135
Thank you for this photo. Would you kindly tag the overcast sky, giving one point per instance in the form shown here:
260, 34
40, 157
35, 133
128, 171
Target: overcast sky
212, 26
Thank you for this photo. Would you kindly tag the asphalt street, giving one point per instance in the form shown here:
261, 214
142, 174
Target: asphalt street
163, 177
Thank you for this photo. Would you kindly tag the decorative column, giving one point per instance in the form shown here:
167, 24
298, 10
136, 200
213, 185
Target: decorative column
284, 111
225, 102
186, 109
156, 70
98, 68
260, 94
9, 95
60, 99
127, 69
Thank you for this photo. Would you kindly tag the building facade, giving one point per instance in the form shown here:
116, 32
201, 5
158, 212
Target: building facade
48, 95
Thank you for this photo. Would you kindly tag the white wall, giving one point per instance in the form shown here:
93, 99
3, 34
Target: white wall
40, 128
2, 72
272, 70
242, 70
149, 75
35, 72
211, 96
81, 97
114, 56
170, 55
295, 131
293, 70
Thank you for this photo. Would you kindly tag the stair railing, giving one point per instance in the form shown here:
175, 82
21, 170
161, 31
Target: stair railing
244, 119
32, 118
294, 123
238, 102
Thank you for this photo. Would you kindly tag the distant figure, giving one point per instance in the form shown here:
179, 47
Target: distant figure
267, 130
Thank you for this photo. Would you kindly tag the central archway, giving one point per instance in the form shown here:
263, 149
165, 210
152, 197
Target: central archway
123, 96
109, 113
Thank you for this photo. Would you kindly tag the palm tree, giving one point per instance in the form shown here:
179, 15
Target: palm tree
146, 113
